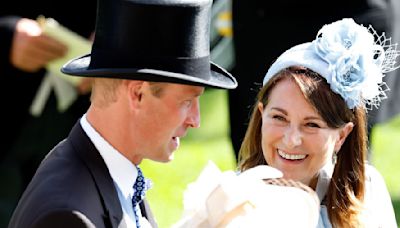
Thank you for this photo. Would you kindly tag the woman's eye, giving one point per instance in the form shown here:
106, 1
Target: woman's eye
278, 117
314, 125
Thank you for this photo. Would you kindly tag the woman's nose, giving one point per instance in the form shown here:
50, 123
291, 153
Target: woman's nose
292, 137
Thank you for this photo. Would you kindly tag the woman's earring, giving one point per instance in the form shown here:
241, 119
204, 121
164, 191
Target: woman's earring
334, 157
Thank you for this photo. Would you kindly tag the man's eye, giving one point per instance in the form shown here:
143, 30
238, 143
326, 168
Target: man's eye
187, 103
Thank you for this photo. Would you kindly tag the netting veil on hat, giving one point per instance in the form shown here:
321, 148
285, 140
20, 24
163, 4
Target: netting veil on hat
352, 58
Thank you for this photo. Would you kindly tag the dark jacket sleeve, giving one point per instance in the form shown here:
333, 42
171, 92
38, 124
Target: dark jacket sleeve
64, 219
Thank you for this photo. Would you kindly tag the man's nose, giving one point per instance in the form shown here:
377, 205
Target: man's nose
193, 119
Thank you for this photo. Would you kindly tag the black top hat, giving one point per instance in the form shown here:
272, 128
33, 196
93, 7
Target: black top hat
153, 40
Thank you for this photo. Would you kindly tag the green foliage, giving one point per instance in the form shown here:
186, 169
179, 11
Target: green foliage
386, 156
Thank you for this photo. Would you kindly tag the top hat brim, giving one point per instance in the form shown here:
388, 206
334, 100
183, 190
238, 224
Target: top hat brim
219, 78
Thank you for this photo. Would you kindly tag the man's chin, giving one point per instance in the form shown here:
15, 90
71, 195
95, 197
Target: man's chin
166, 160
170, 156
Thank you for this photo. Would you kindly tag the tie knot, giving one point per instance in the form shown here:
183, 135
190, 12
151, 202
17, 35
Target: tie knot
141, 186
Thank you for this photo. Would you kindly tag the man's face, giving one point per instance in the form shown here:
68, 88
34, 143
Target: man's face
165, 118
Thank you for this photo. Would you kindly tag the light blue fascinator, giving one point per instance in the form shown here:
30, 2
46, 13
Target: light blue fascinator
352, 58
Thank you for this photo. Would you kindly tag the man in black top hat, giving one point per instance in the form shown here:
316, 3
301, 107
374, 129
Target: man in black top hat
150, 62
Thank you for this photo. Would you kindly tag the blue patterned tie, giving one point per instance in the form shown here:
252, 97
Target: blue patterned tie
140, 187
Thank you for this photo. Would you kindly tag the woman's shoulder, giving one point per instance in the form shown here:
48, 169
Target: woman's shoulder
372, 174
379, 210
375, 186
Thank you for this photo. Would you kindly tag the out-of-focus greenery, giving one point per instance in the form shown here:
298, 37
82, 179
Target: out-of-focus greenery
386, 157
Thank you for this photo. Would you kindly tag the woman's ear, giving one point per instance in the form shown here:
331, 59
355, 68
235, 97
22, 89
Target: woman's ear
343, 133
260, 107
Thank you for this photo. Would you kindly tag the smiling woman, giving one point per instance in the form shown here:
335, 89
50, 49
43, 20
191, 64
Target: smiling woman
309, 121
294, 136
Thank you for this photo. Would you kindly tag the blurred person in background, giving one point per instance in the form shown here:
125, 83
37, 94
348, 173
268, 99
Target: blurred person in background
24, 53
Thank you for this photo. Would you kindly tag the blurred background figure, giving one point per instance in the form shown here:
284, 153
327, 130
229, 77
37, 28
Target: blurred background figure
262, 30
390, 107
221, 40
24, 52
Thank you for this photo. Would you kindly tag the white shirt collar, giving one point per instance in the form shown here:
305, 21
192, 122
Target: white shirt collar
122, 171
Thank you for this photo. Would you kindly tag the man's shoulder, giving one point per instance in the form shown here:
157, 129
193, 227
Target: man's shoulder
61, 188
63, 174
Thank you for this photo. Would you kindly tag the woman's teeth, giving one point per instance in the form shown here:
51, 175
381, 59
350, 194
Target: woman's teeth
291, 156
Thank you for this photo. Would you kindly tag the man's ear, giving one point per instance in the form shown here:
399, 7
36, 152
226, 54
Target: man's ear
343, 133
134, 91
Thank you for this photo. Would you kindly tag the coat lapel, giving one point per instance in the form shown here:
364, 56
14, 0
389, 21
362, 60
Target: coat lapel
104, 183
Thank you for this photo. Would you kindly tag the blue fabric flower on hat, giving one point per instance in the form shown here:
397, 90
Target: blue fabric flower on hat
352, 58
354, 61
